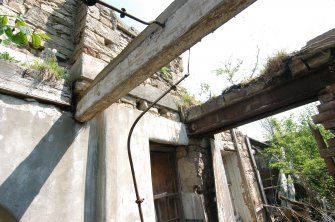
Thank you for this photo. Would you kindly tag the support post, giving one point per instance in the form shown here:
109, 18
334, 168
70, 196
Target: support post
223, 199
322, 146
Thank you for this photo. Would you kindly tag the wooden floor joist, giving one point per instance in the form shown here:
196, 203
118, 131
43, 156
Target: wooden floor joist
186, 23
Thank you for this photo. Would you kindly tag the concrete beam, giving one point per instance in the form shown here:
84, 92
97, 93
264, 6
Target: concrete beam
150, 94
186, 23
278, 98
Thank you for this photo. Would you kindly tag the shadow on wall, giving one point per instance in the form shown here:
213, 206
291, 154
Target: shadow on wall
6, 216
19, 190
95, 184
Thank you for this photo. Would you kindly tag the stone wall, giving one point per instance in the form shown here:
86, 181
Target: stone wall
197, 180
100, 33
89, 38
55, 18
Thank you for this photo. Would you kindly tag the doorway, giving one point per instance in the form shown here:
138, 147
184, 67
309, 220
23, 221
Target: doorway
165, 183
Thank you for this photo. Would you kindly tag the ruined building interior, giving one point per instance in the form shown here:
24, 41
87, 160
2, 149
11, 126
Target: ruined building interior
59, 163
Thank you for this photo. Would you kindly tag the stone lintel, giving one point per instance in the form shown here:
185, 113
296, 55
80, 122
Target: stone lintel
86, 67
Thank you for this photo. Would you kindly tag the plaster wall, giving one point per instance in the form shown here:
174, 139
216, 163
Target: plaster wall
120, 196
43, 161
54, 169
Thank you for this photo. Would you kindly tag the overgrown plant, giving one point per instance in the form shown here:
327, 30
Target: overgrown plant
231, 71
20, 33
275, 63
186, 99
165, 72
292, 136
49, 66
5, 56
205, 90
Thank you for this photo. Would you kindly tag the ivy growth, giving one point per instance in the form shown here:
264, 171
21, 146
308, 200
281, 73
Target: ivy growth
19, 33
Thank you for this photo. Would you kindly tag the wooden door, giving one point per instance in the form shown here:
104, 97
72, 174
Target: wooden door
164, 183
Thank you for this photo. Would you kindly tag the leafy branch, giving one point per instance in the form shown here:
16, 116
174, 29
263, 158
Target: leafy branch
231, 70
20, 33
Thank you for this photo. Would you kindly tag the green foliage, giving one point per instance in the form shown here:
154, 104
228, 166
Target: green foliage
301, 157
5, 56
187, 99
165, 72
50, 67
205, 90
229, 70
20, 33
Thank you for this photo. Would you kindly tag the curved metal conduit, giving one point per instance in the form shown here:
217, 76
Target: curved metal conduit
123, 14
138, 199
122, 11
173, 87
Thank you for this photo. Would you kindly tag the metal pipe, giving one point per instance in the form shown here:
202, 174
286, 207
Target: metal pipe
123, 14
138, 199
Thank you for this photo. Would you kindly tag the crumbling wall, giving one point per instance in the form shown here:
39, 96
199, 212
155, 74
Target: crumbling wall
197, 180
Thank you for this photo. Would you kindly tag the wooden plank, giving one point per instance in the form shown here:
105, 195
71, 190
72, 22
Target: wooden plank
186, 23
319, 59
250, 197
329, 152
330, 124
330, 88
15, 80
331, 142
324, 116
280, 97
298, 67
322, 145
256, 172
326, 98
326, 106
223, 199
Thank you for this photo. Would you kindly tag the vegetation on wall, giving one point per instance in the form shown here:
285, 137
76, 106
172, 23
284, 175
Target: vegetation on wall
49, 66
274, 63
165, 72
187, 100
5, 56
15, 30
235, 78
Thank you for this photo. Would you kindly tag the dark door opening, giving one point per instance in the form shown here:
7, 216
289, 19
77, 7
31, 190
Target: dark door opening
165, 183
